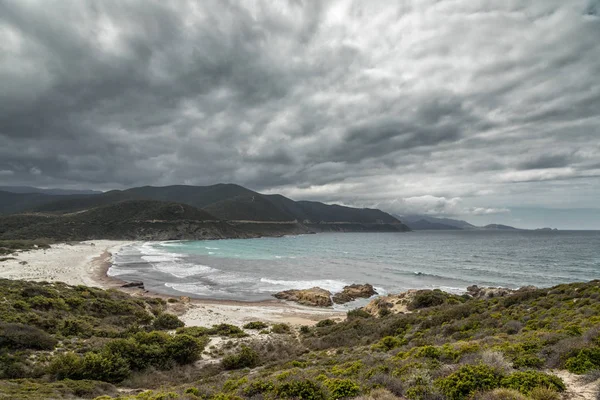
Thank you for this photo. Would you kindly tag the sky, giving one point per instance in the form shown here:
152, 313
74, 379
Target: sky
483, 110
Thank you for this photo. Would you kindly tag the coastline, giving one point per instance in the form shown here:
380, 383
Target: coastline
87, 263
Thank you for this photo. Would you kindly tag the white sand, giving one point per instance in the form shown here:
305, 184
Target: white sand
86, 263
75, 264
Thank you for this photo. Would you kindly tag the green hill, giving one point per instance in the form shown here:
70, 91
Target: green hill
224, 201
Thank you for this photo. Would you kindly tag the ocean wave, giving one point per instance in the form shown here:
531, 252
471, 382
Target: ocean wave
328, 284
117, 271
197, 288
183, 270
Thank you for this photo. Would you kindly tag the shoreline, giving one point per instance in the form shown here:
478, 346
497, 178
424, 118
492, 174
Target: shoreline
87, 263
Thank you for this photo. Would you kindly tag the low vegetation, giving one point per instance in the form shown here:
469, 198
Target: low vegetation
499, 348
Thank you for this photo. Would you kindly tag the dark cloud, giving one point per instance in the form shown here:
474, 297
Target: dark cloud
445, 106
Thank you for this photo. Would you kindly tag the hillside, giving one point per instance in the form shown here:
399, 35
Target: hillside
59, 192
60, 341
223, 201
423, 224
130, 220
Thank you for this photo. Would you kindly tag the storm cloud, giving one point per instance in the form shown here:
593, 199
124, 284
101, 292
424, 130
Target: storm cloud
445, 107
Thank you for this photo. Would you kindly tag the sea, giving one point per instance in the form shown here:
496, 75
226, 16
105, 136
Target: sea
255, 269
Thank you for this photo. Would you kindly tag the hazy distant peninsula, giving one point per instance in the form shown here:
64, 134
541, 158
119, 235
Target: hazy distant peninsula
419, 222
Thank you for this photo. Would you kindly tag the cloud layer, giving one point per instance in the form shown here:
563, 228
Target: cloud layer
416, 104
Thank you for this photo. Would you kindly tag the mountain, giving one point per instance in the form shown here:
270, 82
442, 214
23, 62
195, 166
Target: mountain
422, 222
17, 202
54, 192
179, 212
223, 201
499, 227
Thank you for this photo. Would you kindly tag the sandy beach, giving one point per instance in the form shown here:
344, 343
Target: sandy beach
86, 263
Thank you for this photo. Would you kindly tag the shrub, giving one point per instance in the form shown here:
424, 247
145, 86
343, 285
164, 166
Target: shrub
528, 361
388, 343
468, 380
77, 327
325, 322
281, 328
429, 352
340, 388
302, 389
256, 325
258, 387
358, 313
586, 360
501, 394
526, 381
427, 298
96, 366
245, 358
167, 321
544, 393
184, 349
20, 336
304, 329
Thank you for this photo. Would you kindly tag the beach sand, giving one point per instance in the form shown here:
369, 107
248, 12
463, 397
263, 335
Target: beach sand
86, 263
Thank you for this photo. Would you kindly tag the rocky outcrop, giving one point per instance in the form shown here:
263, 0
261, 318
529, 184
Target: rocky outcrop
316, 296
490, 292
393, 303
353, 292
138, 285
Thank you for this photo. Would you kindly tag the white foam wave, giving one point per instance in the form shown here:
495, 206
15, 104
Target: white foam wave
328, 284
196, 288
183, 270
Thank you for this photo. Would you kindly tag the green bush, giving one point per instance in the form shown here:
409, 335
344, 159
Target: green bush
95, 366
305, 329
258, 387
304, 389
325, 322
216, 330
543, 393
586, 360
281, 328
427, 298
167, 321
525, 381
528, 361
341, 388
20, 336
501, 394
245, 358
429, 352
388, 343
256, 325
469, 379
358, 313
184, 349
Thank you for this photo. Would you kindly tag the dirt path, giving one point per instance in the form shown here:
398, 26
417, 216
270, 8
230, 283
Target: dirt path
577, 388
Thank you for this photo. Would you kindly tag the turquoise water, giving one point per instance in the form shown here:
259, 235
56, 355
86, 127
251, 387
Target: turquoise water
254, 269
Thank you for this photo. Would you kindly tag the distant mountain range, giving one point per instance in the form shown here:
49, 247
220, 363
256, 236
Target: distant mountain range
185, 212
425, 222
56, 192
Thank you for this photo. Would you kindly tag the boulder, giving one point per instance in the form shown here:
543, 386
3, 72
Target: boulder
393, 303
353, 292
316, 296
139, 285
488, 292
